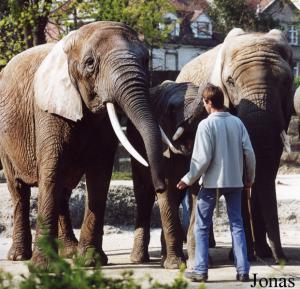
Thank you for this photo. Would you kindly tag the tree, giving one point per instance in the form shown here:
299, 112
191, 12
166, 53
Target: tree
228, 14
22, 25
23, 22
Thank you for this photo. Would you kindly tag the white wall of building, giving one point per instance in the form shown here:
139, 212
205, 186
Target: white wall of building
174, 57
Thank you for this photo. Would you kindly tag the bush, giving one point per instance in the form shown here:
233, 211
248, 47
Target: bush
65, 275
297, 81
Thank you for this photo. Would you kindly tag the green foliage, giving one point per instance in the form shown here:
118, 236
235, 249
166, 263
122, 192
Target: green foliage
22, 22
5, 280
228, 14
297, 81
65, 275
121, 176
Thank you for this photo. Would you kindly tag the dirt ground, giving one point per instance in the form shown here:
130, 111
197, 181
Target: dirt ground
118, 242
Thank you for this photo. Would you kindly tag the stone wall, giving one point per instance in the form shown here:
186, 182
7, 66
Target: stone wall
290, 163
120, 207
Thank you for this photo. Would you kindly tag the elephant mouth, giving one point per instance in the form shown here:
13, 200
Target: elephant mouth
182, 142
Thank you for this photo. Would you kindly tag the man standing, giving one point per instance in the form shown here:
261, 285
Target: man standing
222, 153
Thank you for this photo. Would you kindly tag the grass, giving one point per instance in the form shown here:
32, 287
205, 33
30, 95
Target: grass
121, 176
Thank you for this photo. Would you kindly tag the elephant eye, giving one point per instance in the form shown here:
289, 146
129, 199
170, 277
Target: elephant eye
230, 81
90, 64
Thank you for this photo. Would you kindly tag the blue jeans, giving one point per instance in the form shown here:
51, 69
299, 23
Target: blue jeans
204, 212
186, 212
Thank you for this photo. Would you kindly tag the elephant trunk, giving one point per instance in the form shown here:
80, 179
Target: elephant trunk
132, 96
140, 115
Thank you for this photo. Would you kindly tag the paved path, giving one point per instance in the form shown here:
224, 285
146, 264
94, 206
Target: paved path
118, 246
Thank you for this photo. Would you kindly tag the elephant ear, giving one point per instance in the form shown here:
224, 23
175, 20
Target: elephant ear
53, 89
216, 75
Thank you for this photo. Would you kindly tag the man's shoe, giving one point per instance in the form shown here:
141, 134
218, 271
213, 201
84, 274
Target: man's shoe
242, 277
197, 277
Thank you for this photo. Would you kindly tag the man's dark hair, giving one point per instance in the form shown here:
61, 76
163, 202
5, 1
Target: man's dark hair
214, 94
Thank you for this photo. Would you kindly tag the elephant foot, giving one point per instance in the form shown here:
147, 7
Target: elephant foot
280, 258
139, 256
174, 262
18, 252
93, 257
190, 263
69, 247
40, 261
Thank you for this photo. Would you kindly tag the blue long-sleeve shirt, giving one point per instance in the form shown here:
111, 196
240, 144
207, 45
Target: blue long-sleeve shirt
221, 146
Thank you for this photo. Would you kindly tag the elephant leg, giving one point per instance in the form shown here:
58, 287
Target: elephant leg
262, 249
264, 200
144, 195
97, 181
191, 235
247, 227
90, 241
270, 218
47, 219
65, 231
169, 202
21, 248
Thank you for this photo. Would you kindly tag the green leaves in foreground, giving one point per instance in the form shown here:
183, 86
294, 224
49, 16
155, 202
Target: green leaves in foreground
65, 275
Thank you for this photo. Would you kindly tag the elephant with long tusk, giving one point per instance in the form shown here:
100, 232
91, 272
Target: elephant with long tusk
58, 113
178, 107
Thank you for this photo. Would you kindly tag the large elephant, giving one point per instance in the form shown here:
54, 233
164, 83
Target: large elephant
178, 107
254, 72
54, 127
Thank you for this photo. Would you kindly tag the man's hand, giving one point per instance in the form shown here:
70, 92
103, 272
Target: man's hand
181, 185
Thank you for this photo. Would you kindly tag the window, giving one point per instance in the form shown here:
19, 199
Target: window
175, 32
174, 24
293, 35
201, 29
171, 62
296, 69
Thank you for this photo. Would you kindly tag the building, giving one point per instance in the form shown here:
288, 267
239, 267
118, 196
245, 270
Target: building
192, 35
287, 13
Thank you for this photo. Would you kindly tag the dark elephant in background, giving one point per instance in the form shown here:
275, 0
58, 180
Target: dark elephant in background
254, 72
57, 104
178, 107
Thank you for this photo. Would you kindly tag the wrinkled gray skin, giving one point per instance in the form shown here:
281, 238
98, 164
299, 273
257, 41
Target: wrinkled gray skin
101, 62
174, 105
254, 72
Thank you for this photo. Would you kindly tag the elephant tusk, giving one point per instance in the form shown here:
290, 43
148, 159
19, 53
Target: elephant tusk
178, 133
286, 141
168, 142
121, 136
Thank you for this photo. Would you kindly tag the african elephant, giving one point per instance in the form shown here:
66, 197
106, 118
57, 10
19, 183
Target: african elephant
57, 104
254, 72
178, 107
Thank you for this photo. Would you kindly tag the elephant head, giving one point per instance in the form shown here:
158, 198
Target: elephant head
100, 67
179, 108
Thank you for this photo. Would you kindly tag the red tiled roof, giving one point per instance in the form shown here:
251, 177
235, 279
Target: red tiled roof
262, 3
189, 5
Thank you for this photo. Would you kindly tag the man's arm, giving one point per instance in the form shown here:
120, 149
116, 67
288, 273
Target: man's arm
201, 157
249, 158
